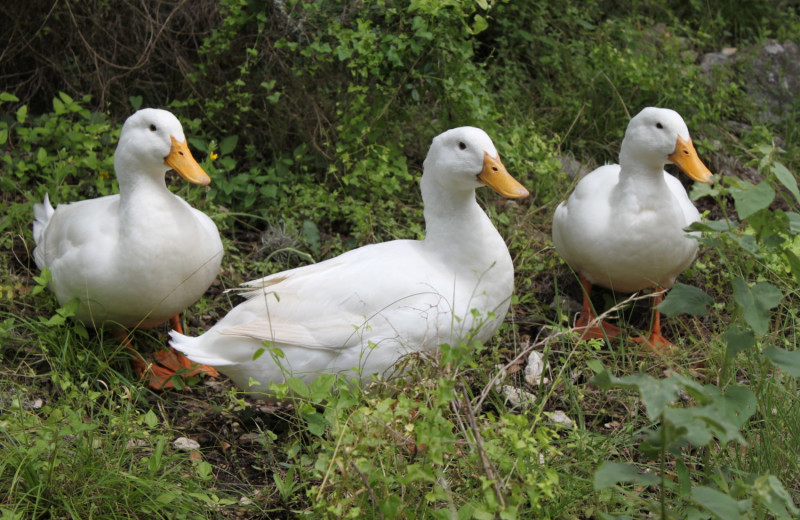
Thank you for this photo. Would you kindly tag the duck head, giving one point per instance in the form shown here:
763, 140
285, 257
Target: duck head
656, 136
152, 141
465, 157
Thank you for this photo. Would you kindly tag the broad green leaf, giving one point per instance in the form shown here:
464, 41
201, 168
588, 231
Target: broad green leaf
311, 235
788, 361
610, 474
736, 404
787, 179
684, 480
711, 225
756, 303
655, 393
749, 201
7, 96
136, 102
794, 222
685, 298
321, 386
695, 514
722, 505
315, 422
22, 113
58, 106
480, 24
794, 264
298, 386
227, 145
774, 496
483, 4
150, 419
739, 340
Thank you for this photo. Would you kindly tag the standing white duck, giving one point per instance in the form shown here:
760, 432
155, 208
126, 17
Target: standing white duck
359, 313
623, 226
139, 258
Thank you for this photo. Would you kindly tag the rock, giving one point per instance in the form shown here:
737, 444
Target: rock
712, 59
534, 369
185, 444
772, 77
516, 397
559, 417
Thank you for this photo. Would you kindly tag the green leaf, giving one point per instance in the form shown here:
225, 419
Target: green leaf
298, 387
656, 393
480, 25
739, 340
483, 4
22, 113
774, 496
610, 474
321, 386
786, 178
227, 145
315, 422
136, 102
751, 200
756, 303
711, 225
736, 404
794, 222
685, 298
150, 419
722, 505
788, 361
7, 96
311, 235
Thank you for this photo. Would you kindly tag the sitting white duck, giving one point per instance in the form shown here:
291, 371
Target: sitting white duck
139, 258
623, 226
359, 313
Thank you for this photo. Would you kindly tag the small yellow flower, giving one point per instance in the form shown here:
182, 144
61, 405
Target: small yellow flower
103, 174
213, 156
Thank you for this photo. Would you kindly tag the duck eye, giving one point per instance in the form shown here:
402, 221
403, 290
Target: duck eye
659, 126
461, 145
153, 128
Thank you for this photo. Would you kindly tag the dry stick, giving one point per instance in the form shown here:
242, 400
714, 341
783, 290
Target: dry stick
491, 472
369, 489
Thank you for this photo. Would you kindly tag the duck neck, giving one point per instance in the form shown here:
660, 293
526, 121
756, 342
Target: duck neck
640, 178
453, 219
144, 202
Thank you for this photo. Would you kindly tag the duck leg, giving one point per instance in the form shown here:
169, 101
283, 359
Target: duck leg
176, 362
157, 376
655, 341
588, 322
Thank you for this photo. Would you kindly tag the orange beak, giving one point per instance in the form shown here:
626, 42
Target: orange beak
181, 160
495, 175
685, 157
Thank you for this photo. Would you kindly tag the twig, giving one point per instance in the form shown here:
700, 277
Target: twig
369, 489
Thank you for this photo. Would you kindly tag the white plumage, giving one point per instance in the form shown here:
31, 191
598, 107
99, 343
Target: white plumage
358, 313
623, 226
141, 257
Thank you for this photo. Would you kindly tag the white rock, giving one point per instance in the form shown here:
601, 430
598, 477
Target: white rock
559, 417
534, 369
515, 397
185, 444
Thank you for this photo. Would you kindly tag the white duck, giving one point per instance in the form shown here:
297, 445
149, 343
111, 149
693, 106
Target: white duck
623, 226
360, 312
139, 258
